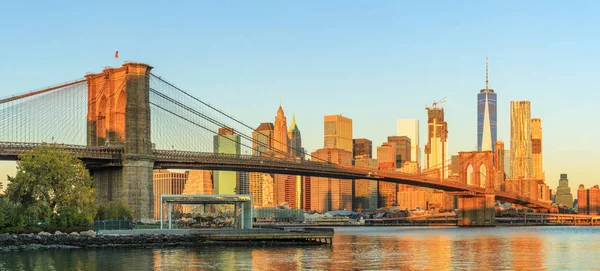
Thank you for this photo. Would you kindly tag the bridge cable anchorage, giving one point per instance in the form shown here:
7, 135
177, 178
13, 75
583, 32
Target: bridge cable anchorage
271, 148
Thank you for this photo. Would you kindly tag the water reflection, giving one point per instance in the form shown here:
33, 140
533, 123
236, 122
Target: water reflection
386, 248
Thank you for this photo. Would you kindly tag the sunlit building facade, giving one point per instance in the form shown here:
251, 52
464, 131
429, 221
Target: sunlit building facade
365, 191
285, 187
521, 164
329, 194
262, 139
536, 149
388, 192
165, 182
198, 182
436, 149
338, 132
261, 189
588, 200
261, 184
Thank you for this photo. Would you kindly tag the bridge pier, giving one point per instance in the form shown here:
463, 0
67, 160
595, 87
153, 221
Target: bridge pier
476, 210
119, 116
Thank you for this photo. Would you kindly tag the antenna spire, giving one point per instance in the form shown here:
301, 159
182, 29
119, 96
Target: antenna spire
486, 75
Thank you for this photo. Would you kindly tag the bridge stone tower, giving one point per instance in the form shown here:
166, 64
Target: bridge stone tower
119, 116
477, 169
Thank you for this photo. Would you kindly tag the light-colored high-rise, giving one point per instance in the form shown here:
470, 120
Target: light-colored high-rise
536, 149
436, 149
338, 132
521, 164
226, 142
410, 128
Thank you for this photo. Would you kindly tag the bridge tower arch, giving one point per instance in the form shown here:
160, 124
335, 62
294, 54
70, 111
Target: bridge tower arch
477, 168
119, 116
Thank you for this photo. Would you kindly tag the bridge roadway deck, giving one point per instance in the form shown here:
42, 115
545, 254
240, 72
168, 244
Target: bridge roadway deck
112, 157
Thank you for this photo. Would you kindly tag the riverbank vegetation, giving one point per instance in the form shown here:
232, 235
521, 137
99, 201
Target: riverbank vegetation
52, 190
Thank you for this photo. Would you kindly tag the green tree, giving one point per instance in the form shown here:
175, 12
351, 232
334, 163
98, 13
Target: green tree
51, 180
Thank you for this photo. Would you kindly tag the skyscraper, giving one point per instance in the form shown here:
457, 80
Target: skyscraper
328, 194
226, 142
261, 188
403, 149
338, 132
362, 147
536, 149
295, 140
280, 134
436, 149
563, 192
588, 200
365, 191
520, 140
261, 184
486, 116
296, 151
388, 191
285, 186
262, 139
410, 128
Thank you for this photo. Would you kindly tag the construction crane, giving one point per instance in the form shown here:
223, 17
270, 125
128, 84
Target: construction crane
435, 104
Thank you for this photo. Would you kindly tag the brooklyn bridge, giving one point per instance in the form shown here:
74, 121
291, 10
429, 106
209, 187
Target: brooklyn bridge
125, 122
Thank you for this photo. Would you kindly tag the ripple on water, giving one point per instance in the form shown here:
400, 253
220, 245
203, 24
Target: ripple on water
355, 248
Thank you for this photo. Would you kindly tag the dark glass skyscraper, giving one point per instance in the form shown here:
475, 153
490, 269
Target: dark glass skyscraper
486, 117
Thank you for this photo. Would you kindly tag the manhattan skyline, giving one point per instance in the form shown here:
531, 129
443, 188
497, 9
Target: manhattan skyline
373, 64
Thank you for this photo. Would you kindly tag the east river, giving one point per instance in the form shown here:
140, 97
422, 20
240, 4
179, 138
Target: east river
354, 248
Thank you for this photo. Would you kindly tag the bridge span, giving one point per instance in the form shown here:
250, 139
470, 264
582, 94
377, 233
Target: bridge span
97, 157
124, 122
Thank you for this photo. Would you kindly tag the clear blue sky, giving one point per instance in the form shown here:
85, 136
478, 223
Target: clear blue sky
371, 61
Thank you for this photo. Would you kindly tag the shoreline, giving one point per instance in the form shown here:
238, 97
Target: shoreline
139, 239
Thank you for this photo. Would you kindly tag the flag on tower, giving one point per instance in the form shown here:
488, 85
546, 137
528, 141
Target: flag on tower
117, 54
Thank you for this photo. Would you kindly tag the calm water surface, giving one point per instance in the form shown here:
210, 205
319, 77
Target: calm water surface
364, 248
